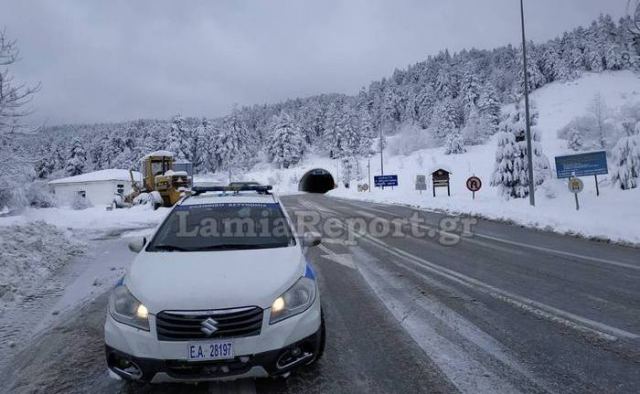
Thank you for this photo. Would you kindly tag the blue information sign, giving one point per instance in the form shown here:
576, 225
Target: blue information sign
385, 180
583, 164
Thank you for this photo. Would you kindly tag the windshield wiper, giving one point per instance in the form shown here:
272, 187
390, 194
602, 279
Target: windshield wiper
170, 248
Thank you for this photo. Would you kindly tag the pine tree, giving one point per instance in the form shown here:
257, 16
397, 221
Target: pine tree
515, 182
489, 108
230, 145
77, 159
445, 118
599, 111
503, 174
285, 146
575, 140
626, 158
454, 143
177, 136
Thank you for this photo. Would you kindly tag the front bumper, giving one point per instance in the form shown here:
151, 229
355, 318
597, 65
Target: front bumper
261, 365
257, 356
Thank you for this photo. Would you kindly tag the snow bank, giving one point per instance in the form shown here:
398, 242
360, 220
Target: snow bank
96, 219
30, 254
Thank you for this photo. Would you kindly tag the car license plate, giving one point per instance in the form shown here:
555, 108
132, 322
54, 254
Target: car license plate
202, 351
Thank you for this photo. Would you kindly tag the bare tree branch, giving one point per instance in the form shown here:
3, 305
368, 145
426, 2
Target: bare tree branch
14, 97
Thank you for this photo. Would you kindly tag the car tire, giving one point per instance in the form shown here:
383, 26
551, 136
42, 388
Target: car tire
323, 339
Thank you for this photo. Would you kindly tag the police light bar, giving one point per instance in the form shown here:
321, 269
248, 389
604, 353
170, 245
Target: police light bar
263, 189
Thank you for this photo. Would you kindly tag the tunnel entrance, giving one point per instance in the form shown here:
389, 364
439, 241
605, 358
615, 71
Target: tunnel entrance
316, 181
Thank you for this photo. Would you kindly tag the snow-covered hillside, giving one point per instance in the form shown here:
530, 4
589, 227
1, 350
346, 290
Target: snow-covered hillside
613, 215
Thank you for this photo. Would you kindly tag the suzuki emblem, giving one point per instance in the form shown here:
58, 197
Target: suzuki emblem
209, 326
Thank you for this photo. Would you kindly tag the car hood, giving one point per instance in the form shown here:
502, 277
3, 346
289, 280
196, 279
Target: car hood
213, 280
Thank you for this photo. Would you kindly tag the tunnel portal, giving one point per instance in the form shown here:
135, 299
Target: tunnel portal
317, 180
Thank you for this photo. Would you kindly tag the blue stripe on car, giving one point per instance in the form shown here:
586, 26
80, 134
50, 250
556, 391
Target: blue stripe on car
309, 273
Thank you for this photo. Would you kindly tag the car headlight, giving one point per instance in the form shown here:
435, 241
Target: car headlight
296, 300
126, 309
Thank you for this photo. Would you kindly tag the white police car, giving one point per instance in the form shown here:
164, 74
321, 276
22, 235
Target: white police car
222, 290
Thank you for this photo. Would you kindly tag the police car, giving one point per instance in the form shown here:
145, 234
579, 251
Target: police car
221, 291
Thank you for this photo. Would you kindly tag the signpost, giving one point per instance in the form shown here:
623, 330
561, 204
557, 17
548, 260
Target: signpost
583, 164
421, 183
440, 178
385, 180
575, 186
474, 184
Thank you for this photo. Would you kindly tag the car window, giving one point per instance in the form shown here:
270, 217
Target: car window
223, 226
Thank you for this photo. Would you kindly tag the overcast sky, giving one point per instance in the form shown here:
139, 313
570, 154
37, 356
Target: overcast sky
121, 59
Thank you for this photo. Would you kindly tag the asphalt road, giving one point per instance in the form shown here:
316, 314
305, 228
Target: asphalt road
423, 303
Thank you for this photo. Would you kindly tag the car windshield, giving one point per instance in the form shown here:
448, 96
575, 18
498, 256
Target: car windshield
223, 226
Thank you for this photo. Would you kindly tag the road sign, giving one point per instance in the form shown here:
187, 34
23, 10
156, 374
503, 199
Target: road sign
474, 184
583, 164
421, 182
385, 180
441, 178
575, 185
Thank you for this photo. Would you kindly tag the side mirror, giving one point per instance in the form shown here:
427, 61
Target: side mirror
311, 239
137, 244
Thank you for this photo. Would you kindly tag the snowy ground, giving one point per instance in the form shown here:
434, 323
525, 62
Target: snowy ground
56, 259
614, 215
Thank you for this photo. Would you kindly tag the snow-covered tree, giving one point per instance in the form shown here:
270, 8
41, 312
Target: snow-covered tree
489, 108
514, 180
77, 159
285, 146
177, 136
574, 139
454, 143
231, 144
626, 158
445, 118
598, 109
503, 174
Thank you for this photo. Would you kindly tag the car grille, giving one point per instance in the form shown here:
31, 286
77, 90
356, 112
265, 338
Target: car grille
186, 325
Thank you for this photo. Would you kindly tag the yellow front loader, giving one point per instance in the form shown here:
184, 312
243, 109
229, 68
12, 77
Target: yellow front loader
161, 185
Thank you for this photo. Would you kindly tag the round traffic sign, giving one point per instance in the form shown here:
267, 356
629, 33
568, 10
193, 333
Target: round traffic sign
474, 183
575, 185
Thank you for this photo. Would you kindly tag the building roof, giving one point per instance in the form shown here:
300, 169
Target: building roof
112, 174
158, 153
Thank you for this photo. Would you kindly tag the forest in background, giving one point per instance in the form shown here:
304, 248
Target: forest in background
448, 99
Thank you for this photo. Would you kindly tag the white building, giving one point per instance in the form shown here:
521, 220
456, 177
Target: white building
98, 187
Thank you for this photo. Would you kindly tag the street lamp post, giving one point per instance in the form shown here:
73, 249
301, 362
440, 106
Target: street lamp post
381, 148
532, 198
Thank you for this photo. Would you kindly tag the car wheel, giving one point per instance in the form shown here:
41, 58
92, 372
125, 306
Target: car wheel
323, 339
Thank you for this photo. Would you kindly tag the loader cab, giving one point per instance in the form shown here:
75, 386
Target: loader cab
153, 166
162, 178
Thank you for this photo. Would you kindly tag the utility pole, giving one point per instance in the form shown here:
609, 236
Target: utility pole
381, 159
369, 173
532, 198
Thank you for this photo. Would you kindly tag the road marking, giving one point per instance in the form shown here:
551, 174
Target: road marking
525, 245
367, 214
548, 312
560, 252
345, 259
429, 323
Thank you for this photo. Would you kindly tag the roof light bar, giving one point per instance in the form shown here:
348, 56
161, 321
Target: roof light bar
262, 189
